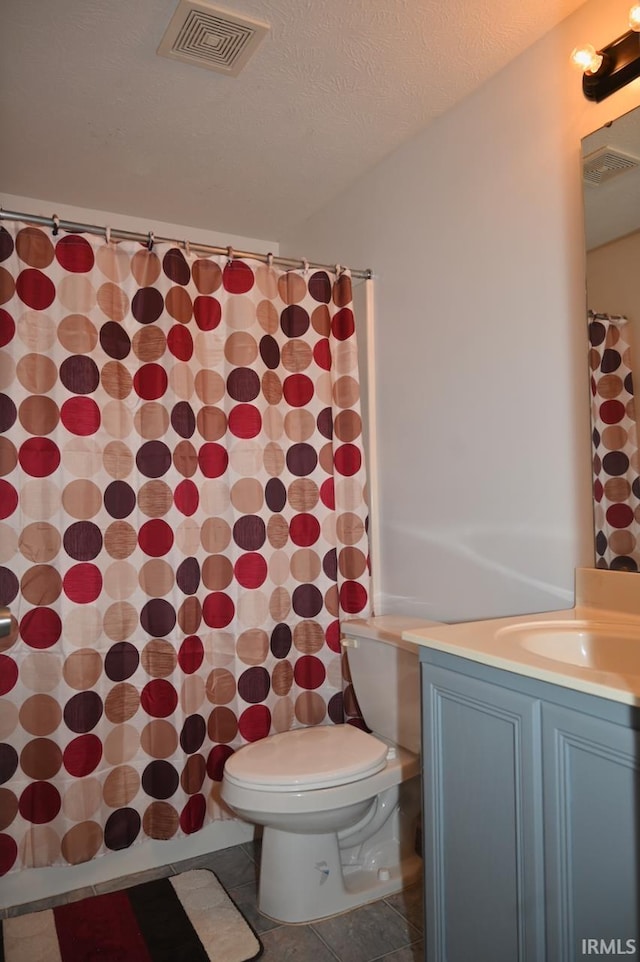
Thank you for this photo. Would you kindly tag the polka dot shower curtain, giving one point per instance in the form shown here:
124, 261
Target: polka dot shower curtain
182, 524
616, 466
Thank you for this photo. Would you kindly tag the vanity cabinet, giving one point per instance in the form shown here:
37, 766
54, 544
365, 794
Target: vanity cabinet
531, 811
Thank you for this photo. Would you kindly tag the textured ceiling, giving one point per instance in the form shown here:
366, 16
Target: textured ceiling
91, 116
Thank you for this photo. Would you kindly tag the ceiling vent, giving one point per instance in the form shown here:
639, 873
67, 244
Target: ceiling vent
605, 163
206, 36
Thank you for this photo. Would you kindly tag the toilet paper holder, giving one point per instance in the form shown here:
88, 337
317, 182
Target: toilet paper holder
5, 621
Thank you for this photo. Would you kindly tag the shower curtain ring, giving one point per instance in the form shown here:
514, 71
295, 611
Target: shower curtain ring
339, 269
305, 265
56, 225
229, 256
187, 248
150, 241
270, 259
107, 234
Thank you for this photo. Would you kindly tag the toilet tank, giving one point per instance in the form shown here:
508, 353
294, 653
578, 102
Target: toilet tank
386, 675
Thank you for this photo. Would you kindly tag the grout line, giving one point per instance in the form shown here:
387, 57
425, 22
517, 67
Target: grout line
311, 926
405, 918
381, 958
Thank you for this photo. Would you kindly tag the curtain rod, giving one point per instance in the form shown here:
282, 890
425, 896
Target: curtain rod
57, 223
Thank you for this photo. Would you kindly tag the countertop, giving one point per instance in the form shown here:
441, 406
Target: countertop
495, 642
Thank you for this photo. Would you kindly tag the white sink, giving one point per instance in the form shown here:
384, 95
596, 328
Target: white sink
586, 644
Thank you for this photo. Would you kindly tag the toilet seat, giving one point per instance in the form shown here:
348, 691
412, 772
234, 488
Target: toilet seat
307, 758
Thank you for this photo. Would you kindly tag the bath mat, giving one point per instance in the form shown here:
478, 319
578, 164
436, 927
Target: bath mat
186, 918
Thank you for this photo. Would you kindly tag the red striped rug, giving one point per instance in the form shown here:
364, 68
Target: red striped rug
186, 918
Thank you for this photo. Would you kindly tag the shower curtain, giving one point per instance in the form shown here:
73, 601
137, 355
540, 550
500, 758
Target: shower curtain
182, 526
616, 466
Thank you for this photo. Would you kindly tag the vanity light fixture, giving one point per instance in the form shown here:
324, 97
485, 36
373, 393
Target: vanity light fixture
614, 66
587, 58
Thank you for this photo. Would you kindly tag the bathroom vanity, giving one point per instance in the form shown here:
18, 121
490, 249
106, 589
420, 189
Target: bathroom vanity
531, 787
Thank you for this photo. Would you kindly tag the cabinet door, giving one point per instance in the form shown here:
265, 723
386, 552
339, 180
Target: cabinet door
482, 821
592, 842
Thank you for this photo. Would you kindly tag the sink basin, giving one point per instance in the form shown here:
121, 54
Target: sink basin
598, 646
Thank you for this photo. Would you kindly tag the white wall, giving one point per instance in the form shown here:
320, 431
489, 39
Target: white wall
475, 233
613, 281
101, 218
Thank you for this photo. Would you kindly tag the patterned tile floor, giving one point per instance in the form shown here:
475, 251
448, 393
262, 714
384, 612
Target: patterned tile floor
389, 929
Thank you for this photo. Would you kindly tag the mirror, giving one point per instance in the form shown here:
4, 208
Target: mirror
611, 190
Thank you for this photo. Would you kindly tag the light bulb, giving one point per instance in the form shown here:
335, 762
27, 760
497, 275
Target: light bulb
634, 17
587, 58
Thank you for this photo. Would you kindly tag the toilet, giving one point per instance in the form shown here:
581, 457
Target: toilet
340, 807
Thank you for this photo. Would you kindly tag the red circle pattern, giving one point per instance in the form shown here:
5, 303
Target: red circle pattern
616, 458
172, 504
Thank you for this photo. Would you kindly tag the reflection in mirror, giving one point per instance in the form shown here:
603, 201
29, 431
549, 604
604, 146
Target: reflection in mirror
611, 180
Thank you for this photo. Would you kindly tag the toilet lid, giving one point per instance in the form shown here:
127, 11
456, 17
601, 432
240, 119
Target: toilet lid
307, 758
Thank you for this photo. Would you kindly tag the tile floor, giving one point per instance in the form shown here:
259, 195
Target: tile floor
389, 930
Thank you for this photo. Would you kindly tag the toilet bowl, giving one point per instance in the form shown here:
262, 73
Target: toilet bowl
339, 806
